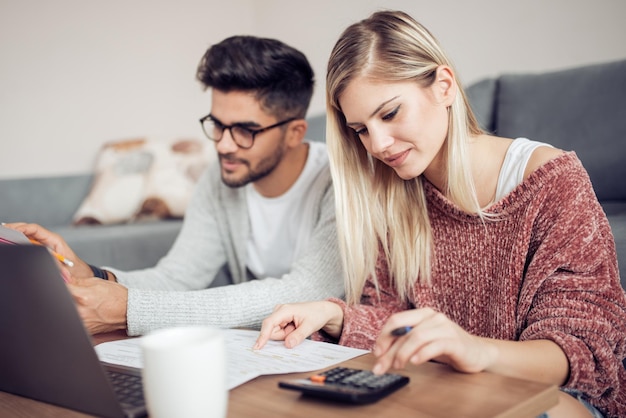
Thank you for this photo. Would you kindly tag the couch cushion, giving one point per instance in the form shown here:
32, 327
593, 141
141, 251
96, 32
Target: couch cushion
316, 130
581, 109
126, 246
482, 96
48, 201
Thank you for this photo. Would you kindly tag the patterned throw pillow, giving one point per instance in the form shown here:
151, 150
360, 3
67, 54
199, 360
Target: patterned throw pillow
141, 179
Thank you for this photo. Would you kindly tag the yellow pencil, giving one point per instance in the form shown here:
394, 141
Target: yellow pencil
58, 256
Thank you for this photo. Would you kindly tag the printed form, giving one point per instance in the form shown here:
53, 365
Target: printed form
244, 363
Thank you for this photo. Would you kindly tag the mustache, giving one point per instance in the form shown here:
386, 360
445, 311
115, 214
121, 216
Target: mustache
232, 159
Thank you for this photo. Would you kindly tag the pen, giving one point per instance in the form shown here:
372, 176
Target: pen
58, 256
401, 331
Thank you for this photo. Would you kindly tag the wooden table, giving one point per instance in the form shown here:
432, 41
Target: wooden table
434, 391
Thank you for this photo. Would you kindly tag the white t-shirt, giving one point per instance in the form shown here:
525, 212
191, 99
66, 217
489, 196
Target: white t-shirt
278, 225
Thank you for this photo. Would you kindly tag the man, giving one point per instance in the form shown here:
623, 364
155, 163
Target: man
264, 211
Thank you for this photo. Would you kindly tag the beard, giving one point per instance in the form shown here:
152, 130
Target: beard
263, 168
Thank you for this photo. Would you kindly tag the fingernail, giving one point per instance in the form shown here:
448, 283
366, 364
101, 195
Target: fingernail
378, 369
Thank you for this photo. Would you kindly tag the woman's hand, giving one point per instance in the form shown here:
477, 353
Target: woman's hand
433, 337
294, 322
55, 242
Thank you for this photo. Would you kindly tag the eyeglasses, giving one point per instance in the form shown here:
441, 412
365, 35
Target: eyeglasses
241, 134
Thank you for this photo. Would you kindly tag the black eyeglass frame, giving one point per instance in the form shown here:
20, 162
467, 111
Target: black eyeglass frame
253, 132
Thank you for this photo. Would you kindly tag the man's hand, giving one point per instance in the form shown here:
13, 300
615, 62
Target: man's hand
55, 242
100, 303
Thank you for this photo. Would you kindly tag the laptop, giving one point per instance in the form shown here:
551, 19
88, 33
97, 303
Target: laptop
45, 351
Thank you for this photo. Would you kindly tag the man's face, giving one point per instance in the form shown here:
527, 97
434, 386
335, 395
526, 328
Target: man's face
241, 166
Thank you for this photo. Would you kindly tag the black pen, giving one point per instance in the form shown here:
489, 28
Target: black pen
401, 331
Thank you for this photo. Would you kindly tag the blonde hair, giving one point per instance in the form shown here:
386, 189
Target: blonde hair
377, 210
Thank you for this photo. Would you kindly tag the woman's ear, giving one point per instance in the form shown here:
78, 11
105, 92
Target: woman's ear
445, 86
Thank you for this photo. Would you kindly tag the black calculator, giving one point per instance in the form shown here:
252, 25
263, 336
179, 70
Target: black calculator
348, 385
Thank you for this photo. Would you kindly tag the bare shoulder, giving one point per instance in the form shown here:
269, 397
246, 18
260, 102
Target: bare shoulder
540, 156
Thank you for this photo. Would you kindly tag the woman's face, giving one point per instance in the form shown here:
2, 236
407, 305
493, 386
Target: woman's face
402, 124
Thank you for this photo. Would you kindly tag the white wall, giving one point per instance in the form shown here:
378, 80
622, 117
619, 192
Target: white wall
482, 37
77, 73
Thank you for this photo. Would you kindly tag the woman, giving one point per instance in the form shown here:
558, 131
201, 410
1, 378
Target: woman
494, 251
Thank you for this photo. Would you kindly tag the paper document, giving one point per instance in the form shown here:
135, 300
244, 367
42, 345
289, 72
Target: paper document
244, 363
11, 236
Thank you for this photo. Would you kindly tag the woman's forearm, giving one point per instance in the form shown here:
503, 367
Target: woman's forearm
538, 360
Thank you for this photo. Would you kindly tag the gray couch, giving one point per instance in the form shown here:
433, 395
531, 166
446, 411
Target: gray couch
581, 109
52, 202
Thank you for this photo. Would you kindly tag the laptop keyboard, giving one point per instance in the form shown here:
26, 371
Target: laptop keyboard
128, 389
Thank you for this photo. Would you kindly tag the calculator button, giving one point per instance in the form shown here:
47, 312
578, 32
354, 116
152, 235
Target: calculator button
318, 378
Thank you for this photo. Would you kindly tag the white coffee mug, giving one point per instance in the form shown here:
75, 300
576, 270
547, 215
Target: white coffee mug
184, 372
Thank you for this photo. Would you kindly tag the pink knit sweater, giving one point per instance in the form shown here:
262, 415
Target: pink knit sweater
546, 269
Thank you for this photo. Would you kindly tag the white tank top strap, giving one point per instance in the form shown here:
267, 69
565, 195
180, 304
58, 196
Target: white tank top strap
515, 161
